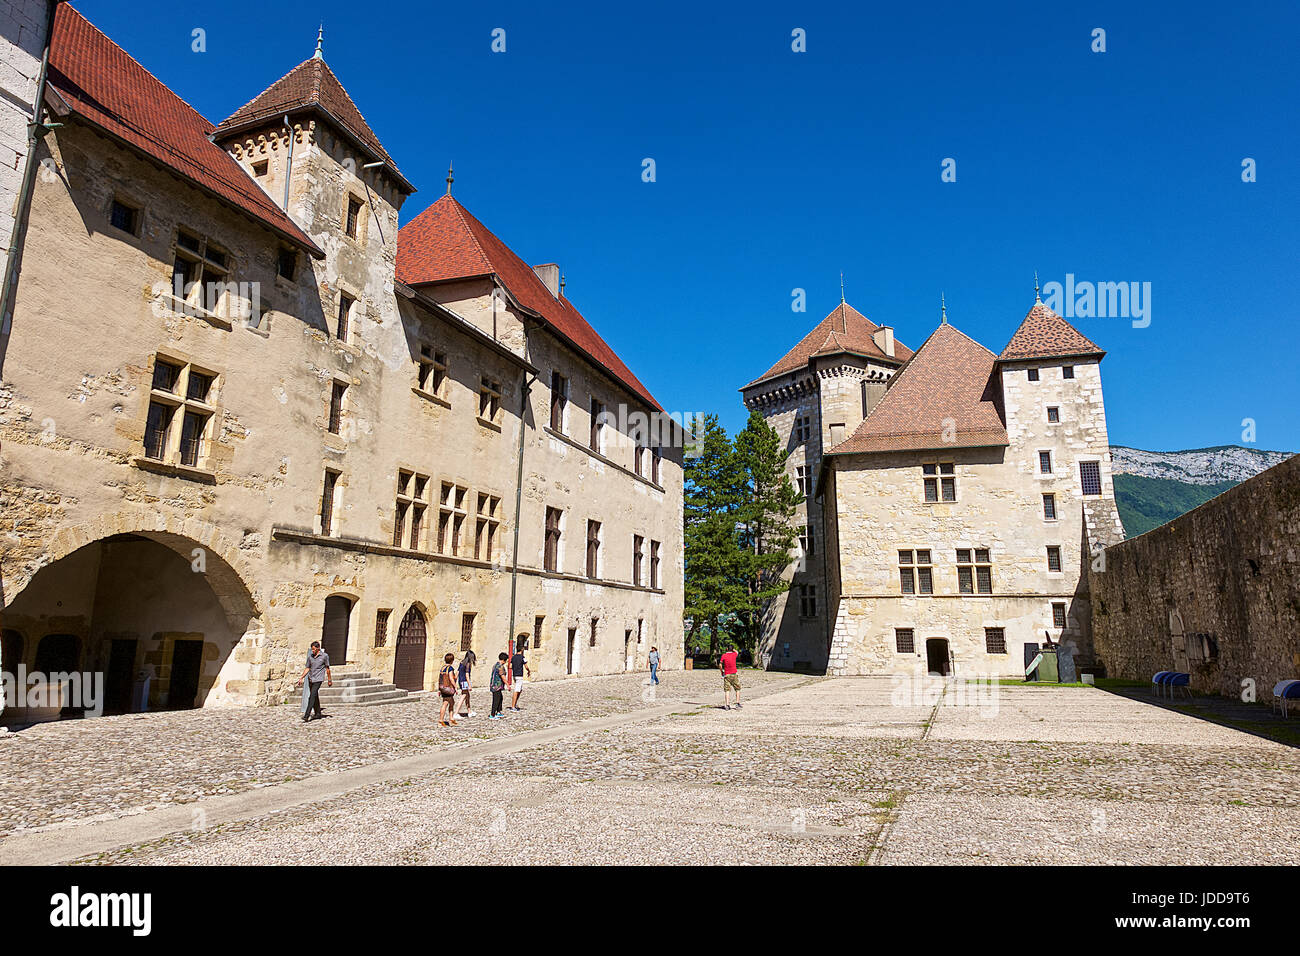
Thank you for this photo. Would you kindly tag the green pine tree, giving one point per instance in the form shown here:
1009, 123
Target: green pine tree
714, 589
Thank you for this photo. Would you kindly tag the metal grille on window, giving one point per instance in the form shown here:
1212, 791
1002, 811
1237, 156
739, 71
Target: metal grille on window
995, 640
904, 641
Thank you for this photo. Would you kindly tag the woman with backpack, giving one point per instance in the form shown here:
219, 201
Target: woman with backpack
498, 686
447, 690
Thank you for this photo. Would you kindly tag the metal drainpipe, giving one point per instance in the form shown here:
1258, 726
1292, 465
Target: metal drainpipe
288, 167
519, 498
29, 174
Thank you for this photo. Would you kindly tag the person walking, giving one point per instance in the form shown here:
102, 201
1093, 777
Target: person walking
462, 681
498, 686
447, 689
730, 679
518, 667
316, 672
654, 664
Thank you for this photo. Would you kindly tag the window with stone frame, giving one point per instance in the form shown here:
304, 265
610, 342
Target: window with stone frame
338, 390
451, 518
593, 549
597, 438
656, 466
801, 483
1090, 478
808, 600
802, 429
638, 553
1058, 614
1044, 462
124, 216
1054, 557
433, 372
940, 481
286, 263
904, 640
538, 621
807, 540
343, 321
487, 527
995, 640
654, 565
412, 502
467, 630
200, 272
328, 501
1033, 375
595, 624
1049, 507
974, 571
551, 559
1053, 414
1067, 371
916, 571
489, 400
559, 401
180, 393
352, 217
381, 626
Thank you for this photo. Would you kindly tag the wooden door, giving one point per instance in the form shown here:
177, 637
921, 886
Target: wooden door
187, 666
408, 660
334, 629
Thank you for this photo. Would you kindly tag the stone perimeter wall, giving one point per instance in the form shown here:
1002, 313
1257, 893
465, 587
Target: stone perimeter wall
1228, 571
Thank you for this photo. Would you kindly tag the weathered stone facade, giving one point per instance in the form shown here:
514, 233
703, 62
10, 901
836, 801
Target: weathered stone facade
315, 425
23, 26
1214, 593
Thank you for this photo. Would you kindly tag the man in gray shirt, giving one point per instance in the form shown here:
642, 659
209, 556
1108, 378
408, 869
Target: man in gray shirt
315, 673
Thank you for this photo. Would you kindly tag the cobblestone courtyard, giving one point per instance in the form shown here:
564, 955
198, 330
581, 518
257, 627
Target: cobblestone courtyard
812, 770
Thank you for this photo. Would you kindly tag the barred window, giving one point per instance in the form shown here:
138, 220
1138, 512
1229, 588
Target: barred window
1049, 507
995, 640
904, 641
537, 630
1067, 371
1045, 462
1090, 477
1053, 557
802, 429
940, 481
1033, 375
974, 572
381, 626
1053, 413
467, 631
915, 572
1058, 615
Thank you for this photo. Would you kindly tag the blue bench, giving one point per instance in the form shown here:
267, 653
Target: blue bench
1283, 691
1167, 683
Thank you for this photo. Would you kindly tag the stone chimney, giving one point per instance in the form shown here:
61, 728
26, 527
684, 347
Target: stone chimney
550, 276
884, 339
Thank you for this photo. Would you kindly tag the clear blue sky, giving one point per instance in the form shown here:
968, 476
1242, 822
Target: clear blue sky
776, 170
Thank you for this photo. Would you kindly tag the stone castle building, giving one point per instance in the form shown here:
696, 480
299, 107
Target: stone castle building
954, 496
241, 410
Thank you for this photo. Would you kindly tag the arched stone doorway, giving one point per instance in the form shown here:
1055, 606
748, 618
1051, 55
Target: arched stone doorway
157, 613
335, 627
408, 657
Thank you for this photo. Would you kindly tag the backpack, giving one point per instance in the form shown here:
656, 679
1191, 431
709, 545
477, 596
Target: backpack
446, 681
496, 683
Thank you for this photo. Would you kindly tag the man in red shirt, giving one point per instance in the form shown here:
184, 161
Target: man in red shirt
730, 679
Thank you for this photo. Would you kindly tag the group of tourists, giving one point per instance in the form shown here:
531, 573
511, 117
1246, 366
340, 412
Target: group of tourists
509, 674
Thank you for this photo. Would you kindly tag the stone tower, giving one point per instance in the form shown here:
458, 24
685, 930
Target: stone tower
815, 397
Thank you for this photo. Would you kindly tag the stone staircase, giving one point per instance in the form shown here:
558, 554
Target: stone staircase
357, 688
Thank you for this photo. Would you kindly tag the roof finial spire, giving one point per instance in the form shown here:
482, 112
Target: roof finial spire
943, 310
841, 287
450, 179
1037, 297
320, 40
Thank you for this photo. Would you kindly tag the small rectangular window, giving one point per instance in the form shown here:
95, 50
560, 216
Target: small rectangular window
1053, 413
638, 547
1033, 375
489, 400
155, 430
595, 621
381, 626
327, 502
260, 170
904, 640
1053, 557
1045, 462
537, 631
467, 632
1090, 477
808, 600
593, 549
1049, 507
552, 555
336, 407
124, 217
1058, 615
995, 640
1067, 371
559, 400
192, 428
354, 215
654, 565
287, 264
344, 323
165, 375
597, 424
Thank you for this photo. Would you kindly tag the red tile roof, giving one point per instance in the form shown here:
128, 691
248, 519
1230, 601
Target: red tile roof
1044, 334
844, 330
311, 85
108, 89
947, 390
445, 243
